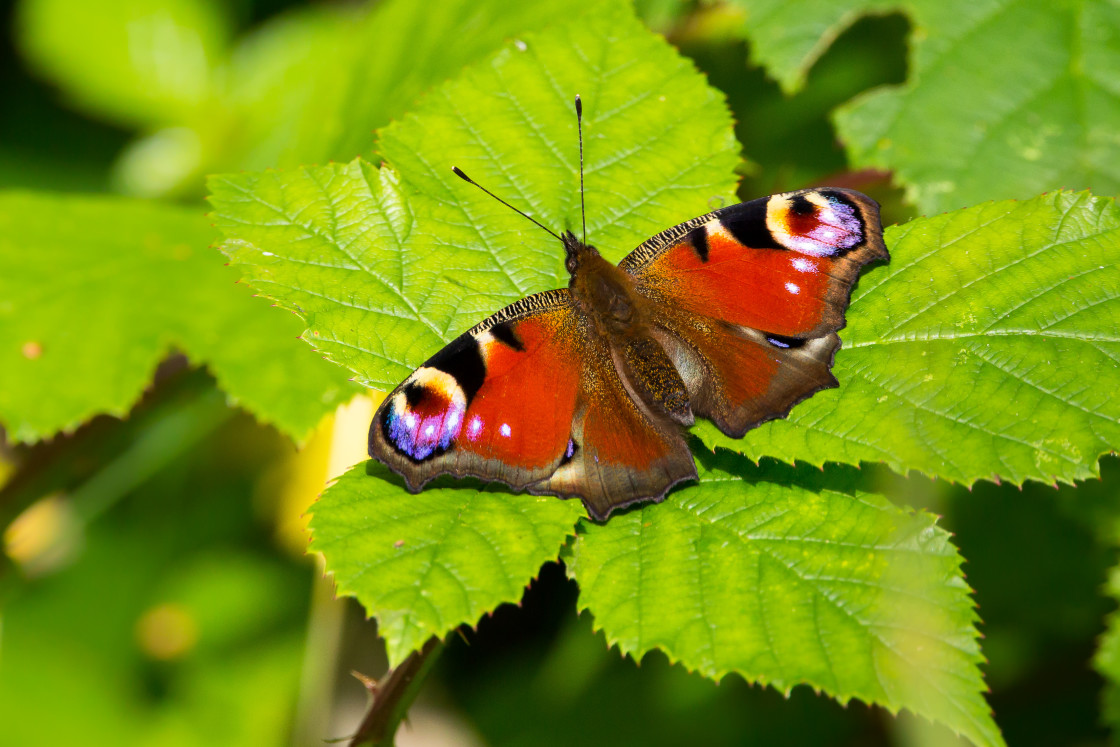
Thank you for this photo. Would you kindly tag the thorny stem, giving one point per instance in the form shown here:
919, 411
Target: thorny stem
392, 695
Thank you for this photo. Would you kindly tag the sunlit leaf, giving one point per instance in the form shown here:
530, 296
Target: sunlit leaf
789, 577
94, 292
1005, 98
425, 564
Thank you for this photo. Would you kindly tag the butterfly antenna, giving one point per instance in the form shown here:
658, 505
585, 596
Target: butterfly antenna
459, 173
579, 127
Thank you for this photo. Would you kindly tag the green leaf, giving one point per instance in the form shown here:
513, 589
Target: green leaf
987, 347
785, 579
787, 38
425, 564
791, 139
94, 292
137, 62
387, 265
1005, 98
1107, 659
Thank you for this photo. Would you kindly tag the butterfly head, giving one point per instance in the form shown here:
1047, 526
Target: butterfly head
576, 253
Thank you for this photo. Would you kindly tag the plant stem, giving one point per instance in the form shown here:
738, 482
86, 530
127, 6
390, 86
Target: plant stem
392, 695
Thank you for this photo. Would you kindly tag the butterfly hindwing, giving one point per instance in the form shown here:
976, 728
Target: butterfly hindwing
739, 378
750, 298
622, 450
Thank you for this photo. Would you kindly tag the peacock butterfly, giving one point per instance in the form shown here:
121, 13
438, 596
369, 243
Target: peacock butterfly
586, 390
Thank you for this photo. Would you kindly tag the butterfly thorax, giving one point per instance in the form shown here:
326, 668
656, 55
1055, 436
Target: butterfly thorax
603, 292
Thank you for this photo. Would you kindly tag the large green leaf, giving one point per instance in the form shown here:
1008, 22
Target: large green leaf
987, 347
1006, 98
95, 291
426, 564
386, 266
789, 577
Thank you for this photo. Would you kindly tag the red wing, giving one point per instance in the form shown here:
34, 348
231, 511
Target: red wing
530, 397
783, 265
750, 297
496, 403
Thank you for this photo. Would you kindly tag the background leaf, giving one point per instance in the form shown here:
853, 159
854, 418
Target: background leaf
968, 356
425, 564
788, 38
314, 85
166, 622
1005, 98
135, 62
784, 581
790, 140
1107, 659
386, 267
96, 291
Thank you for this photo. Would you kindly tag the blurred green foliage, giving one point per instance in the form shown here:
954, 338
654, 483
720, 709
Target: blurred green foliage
166, 612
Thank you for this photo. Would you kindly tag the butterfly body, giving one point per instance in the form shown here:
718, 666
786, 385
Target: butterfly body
586, 390
612, 309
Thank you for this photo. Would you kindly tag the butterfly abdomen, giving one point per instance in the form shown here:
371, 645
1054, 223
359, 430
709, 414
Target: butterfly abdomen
646, 366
